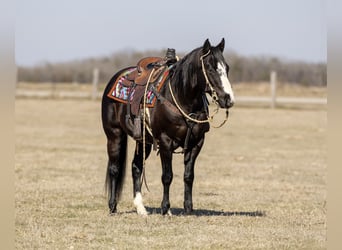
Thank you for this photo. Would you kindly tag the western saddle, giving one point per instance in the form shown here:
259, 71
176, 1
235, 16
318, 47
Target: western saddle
144, 69
138, 80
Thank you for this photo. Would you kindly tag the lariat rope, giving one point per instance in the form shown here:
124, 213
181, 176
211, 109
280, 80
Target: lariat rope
214, 96
208, 120
143, 176
182, 111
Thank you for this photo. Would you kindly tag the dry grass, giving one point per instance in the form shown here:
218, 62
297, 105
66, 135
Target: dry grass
260, 184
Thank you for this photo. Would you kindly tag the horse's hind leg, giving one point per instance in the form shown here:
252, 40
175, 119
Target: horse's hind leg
116, 149
137, 168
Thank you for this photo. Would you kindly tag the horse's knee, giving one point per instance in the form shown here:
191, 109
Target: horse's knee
167, 179
113, 170
188, 178
136, 172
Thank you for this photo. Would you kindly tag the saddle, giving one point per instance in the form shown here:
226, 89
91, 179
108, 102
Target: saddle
141, 76
130, 86
144, 69
148, 70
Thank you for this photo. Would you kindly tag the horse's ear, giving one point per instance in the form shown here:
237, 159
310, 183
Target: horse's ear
221, 45
206, 47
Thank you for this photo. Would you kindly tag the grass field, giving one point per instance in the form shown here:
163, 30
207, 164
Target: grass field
260, 183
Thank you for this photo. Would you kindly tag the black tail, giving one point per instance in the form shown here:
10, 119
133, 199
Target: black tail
121, 170
116, 145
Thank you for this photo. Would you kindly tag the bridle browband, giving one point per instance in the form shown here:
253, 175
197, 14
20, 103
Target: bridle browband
213, 95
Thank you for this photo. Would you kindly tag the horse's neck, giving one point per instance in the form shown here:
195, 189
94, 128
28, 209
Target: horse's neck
190, 96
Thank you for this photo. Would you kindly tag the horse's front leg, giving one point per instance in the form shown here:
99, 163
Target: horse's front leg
167, 176
190, 156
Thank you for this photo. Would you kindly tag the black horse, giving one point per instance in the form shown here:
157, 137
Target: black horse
178, 119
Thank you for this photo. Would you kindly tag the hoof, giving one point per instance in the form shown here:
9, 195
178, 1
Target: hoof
188, 212
138, 203
112, 211
165, 207
141, 210
188, 208
166, 211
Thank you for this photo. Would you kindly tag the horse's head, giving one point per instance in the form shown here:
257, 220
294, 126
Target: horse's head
215, 71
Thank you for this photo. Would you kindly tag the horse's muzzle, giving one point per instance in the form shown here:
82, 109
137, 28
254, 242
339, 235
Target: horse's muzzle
226, 102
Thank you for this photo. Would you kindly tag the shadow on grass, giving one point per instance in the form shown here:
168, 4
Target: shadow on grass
206, 212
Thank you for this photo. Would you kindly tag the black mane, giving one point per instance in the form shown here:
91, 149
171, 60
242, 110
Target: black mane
185, 73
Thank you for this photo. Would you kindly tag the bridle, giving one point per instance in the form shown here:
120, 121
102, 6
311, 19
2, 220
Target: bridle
214, 99
213, 92
208, 120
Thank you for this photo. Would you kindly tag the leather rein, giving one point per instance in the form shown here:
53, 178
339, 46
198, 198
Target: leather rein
214, 100
208, 120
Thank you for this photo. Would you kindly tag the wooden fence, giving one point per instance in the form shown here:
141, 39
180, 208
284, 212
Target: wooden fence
272, 100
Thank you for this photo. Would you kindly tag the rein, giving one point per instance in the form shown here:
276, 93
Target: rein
214, 96
208, 120
213, 92
143, 176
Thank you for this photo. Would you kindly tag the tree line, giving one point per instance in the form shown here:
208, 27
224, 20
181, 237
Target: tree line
242, 69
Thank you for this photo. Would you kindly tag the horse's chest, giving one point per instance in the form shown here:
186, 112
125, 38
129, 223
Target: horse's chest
188, 133
168, 122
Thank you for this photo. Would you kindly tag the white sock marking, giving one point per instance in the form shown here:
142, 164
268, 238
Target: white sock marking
221, 69
138, 203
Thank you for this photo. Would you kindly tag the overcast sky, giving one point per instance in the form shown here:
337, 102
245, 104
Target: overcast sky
56, 31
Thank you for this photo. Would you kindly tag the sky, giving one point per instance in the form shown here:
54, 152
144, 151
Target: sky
64, 30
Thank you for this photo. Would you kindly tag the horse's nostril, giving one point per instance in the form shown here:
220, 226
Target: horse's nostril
229, 102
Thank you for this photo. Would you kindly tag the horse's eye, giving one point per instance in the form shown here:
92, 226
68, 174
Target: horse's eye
210, 68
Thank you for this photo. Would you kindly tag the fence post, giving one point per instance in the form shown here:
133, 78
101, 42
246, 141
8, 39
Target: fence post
53, 89
95, 83
273, 82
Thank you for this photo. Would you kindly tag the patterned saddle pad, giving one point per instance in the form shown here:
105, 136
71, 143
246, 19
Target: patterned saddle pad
122, 88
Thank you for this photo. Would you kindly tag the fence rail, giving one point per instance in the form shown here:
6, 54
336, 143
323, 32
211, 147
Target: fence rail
272, 100
240, 100
280, 100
